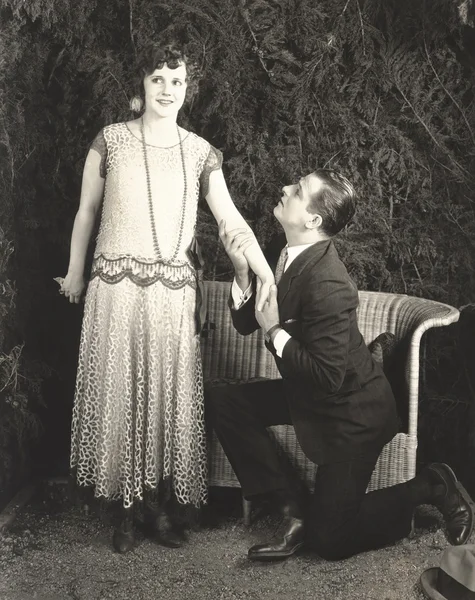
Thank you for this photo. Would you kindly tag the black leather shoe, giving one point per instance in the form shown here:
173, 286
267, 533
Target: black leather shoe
453, 501
283, 545
123, 541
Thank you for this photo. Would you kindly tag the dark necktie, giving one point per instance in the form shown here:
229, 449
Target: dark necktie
279, 270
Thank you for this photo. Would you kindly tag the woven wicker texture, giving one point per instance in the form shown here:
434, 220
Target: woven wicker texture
228, 355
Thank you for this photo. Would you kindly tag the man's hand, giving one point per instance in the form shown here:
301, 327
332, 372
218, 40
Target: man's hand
269, 315
235, 242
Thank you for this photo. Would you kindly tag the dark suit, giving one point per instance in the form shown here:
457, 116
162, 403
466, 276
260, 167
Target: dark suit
336, 397
340, 402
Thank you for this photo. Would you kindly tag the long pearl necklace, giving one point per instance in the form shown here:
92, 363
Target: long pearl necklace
150, 202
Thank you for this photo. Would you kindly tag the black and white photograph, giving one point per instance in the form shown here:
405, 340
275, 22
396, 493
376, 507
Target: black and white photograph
237, 299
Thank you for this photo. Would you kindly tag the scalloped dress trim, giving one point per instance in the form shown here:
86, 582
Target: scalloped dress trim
142, 272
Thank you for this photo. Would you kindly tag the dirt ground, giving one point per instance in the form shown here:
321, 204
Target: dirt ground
55, 551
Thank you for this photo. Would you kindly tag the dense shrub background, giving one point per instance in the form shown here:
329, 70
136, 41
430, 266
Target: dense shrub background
381, 89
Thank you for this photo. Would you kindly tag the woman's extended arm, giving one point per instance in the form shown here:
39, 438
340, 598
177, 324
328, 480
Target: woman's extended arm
92, 190
223, 208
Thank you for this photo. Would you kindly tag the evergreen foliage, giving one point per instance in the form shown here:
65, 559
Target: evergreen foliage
381, 89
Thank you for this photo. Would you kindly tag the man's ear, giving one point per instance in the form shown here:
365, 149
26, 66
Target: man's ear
314, 223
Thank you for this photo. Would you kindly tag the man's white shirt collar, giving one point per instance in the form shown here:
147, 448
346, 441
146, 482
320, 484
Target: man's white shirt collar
293, 252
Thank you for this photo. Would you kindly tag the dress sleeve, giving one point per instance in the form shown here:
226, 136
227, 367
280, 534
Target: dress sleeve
213, 162
100, 146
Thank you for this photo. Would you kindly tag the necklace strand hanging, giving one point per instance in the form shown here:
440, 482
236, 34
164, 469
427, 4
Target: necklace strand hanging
150, 201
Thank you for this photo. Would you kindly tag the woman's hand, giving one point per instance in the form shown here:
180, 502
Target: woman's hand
72, 287
263, 293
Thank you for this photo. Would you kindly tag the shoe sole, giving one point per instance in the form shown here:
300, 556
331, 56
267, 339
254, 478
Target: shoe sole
465, 495
471, 504
167, 543
270, 556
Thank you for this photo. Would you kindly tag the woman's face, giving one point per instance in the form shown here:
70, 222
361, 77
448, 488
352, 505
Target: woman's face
165, 90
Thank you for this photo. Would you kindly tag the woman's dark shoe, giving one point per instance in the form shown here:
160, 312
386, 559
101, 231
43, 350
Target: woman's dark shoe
123, 539
453, 501
167, 533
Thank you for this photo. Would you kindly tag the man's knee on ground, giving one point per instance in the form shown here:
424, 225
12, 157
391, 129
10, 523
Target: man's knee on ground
330, 543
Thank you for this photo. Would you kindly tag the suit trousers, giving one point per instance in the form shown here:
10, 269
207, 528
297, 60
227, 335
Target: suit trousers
341, 518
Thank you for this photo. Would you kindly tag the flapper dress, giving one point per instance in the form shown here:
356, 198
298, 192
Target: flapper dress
138, 414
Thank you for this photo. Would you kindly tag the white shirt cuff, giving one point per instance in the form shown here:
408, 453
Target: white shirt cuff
239, 297
281, 338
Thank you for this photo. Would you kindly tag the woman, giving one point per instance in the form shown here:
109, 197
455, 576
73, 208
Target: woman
138, 413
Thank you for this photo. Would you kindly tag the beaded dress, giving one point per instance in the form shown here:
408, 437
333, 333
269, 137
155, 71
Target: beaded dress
138, 414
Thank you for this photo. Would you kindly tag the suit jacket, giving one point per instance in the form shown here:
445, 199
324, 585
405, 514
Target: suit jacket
340, 402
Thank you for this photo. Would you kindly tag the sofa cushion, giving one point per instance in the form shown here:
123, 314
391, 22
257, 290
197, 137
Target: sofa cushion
382, 349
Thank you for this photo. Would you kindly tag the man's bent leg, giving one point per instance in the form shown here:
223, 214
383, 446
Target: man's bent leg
240, 415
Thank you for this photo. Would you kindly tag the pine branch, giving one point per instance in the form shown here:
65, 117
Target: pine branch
131, 25
461, 111
426, 127
361, 25
258, 51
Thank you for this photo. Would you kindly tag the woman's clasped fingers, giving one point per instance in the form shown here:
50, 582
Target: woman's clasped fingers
239, 238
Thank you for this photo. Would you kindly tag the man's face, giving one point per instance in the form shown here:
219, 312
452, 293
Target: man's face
291, 211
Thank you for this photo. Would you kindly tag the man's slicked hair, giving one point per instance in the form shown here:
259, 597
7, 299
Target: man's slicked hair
335, 202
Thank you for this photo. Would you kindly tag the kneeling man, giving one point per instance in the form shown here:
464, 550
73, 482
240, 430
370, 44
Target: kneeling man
332, 392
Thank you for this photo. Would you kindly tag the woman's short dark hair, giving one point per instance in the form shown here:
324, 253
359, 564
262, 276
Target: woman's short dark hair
155, 56
335, 202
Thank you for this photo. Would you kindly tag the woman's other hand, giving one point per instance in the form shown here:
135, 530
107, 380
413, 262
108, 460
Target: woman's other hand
72, 287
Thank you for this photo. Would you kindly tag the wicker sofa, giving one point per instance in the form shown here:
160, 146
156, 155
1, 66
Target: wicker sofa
229, 356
